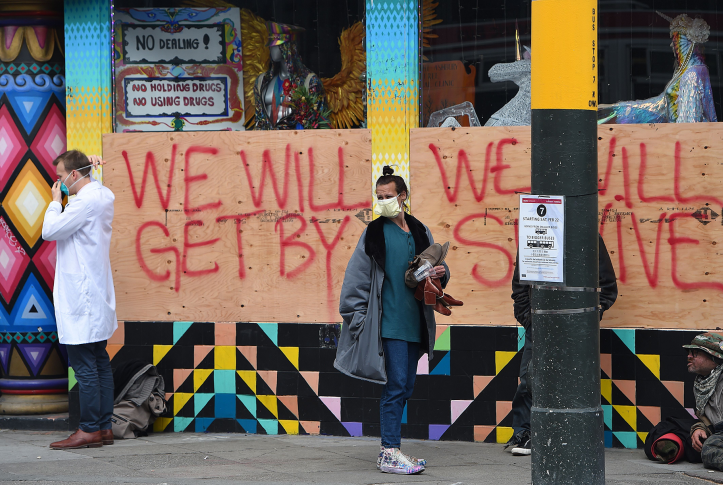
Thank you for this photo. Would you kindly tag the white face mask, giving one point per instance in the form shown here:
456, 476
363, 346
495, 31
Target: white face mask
388, 208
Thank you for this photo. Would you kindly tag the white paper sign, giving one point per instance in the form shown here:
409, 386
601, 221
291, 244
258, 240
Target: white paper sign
153, 97
541, 238
193, 45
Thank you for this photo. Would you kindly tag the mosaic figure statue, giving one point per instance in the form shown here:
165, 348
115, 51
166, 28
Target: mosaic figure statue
688, 96
517, 111
274, 89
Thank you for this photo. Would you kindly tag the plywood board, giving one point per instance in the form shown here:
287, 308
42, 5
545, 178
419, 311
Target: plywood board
236, 226
661, 216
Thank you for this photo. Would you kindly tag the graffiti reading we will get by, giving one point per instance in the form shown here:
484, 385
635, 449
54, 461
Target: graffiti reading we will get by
241, 226
661, 216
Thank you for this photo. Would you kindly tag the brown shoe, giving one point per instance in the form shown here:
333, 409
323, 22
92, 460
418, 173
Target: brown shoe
440, 307
448, 299
79, 439
107, 436
451, 301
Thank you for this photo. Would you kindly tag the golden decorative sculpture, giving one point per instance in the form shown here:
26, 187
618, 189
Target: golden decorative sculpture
343, 91
429, 20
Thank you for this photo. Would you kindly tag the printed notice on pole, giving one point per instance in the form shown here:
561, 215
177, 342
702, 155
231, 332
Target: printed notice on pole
542, 237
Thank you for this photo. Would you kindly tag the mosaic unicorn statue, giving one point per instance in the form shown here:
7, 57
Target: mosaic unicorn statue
517, 111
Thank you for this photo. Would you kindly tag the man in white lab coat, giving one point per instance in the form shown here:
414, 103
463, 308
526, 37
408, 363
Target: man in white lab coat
83, 292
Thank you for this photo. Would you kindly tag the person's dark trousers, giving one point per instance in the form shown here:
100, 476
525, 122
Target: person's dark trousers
91, 365
712, 453
400, 360
522, 402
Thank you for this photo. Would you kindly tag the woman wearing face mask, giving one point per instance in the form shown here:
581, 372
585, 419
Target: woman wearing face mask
385, 328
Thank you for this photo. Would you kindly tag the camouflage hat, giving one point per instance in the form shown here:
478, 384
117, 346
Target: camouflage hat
709, 342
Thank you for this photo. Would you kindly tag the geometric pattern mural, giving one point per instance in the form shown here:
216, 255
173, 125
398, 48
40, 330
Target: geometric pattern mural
44, 259
392, 46
644, 378
26, 201
50, 141
34, 68
32, 135
28, 104
88, 66
270, 378
12, 145
33, 310
12, 262
32, 355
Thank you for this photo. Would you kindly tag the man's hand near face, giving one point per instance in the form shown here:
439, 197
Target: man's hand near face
56, 192
698, 438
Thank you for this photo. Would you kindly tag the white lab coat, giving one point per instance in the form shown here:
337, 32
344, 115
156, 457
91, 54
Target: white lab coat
83, 293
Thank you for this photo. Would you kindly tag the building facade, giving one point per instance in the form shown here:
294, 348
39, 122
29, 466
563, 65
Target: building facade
277, 376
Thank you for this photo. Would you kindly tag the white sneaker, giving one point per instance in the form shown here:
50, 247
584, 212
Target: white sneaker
517, 440
417, 461
523, 449
394, 461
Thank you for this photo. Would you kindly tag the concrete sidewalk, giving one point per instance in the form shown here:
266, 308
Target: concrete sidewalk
187, 458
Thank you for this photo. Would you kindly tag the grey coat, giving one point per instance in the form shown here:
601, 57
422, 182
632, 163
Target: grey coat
360, 353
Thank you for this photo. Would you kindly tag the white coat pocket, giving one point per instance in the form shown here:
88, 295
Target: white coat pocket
72, 294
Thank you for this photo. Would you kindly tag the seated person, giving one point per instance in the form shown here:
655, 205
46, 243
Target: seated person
701, 439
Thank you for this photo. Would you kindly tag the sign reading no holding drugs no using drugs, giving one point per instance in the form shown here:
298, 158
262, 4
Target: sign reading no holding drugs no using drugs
542, 237
178, 69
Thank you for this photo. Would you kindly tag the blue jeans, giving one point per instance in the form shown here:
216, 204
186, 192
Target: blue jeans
400, 360
522, 402
95, 380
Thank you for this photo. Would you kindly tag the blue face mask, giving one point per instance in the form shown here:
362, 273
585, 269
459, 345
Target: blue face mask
64, 188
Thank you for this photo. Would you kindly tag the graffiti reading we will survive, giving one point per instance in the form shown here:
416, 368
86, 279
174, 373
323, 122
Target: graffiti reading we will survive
241, 226
660, 214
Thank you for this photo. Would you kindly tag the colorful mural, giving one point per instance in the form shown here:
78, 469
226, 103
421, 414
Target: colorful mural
88, 64
392, 74
270, 378
32, 135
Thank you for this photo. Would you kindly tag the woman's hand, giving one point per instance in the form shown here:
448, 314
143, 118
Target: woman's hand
438, 272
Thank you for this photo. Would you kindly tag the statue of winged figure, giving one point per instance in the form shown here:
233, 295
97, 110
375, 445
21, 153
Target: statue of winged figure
688, 96
345, 91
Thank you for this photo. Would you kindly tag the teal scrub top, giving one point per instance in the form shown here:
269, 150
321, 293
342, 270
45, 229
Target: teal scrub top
400, 311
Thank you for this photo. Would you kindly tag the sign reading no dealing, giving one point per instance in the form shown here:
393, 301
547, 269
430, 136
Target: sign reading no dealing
542, 236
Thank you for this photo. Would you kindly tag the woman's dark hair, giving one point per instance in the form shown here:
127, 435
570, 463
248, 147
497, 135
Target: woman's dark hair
400, 185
